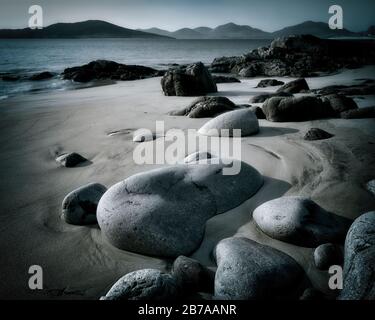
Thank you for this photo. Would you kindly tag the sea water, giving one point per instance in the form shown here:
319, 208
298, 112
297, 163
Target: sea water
25, 57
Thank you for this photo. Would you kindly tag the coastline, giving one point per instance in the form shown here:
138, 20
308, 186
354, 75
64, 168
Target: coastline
34, 128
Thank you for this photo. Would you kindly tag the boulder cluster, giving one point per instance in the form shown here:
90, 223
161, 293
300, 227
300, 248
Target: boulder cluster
298, 56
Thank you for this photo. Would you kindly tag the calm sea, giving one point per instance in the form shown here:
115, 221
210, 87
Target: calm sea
25, 57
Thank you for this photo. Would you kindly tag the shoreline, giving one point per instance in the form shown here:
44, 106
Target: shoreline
79, 262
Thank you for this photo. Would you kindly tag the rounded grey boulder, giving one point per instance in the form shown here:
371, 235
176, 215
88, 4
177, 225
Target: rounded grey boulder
145, 284
163, 212
327, 255
248, 270
263, 97
359, 260
340, 103
304, 108
295, 86
205, 107
191, 276
79, 206
243, 119
300, 221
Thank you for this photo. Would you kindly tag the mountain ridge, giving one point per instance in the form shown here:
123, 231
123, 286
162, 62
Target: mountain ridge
103, 29
72, 30
234, 31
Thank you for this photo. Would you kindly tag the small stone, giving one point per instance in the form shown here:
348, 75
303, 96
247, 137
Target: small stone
327, 255
70, 160
192, 276
317, 134
269, 83
79, 206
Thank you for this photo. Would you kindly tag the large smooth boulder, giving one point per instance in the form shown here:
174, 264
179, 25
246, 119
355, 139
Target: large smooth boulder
327, 255
163, 212
205, 107
360, 113
295, 86
104, 69
191, 80
243, 119
317, 134
359, 260
248, 270
269, 83
263, 97
296, 109
191, 276
340, 103
145, 284
300, 221
79, 206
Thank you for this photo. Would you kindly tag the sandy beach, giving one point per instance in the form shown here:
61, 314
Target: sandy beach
99, 122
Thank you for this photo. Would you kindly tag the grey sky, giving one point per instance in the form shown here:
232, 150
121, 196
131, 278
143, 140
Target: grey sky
268, 15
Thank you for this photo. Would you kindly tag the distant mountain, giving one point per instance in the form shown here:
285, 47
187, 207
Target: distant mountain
225, 31
234, 31
102, 29
85, 29
318, 29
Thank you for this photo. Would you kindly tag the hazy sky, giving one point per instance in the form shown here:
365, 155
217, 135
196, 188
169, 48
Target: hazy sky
268, 15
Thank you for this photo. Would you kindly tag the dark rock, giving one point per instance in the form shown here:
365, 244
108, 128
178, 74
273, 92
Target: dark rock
205, 107
104, 70
70, 160
360, 113
327, 255
225, 79
10, 78
193, 80
295, 86
317, 134
340, 103
191, 276
224, 64
312, 294
269, 83
366, 88
359, 261
225, 124
299, 56
41, 76
163, 212
79, 206
145, 284
258, 111
248, 270
252, 70
300, 221
304, 108
263, 97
